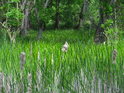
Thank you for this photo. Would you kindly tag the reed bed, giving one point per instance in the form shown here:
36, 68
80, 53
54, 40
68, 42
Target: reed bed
42, 67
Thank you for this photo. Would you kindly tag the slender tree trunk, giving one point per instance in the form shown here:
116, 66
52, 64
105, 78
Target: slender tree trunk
25, 21
46, 3
100, 36
114, 12
82, 12
50, 3
113, 3
41, 23
57, 15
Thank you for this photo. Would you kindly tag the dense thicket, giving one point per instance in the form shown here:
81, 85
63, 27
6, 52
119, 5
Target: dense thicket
19, 16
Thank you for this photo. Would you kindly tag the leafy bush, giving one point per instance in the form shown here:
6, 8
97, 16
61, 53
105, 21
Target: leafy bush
14, 17
110, 31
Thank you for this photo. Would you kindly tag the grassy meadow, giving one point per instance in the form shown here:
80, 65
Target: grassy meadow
85, 68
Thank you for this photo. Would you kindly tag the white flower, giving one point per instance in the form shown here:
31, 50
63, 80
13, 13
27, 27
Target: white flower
65, 47
104, 43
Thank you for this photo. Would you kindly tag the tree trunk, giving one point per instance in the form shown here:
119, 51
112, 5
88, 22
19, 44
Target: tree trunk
46, 3
114, 12
41, 27
57, 15
39, 35
25, 21
41, 23
82, 12
105, 14
50, 3
100, 36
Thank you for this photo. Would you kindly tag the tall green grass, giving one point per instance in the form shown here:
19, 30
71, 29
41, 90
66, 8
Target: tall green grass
85, 68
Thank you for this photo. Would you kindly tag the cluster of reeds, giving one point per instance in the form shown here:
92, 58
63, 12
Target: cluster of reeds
75, 67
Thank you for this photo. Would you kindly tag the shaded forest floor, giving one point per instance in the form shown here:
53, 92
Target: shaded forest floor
85, 68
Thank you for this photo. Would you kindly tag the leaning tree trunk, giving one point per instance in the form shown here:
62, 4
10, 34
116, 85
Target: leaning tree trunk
57, 15
46, 3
